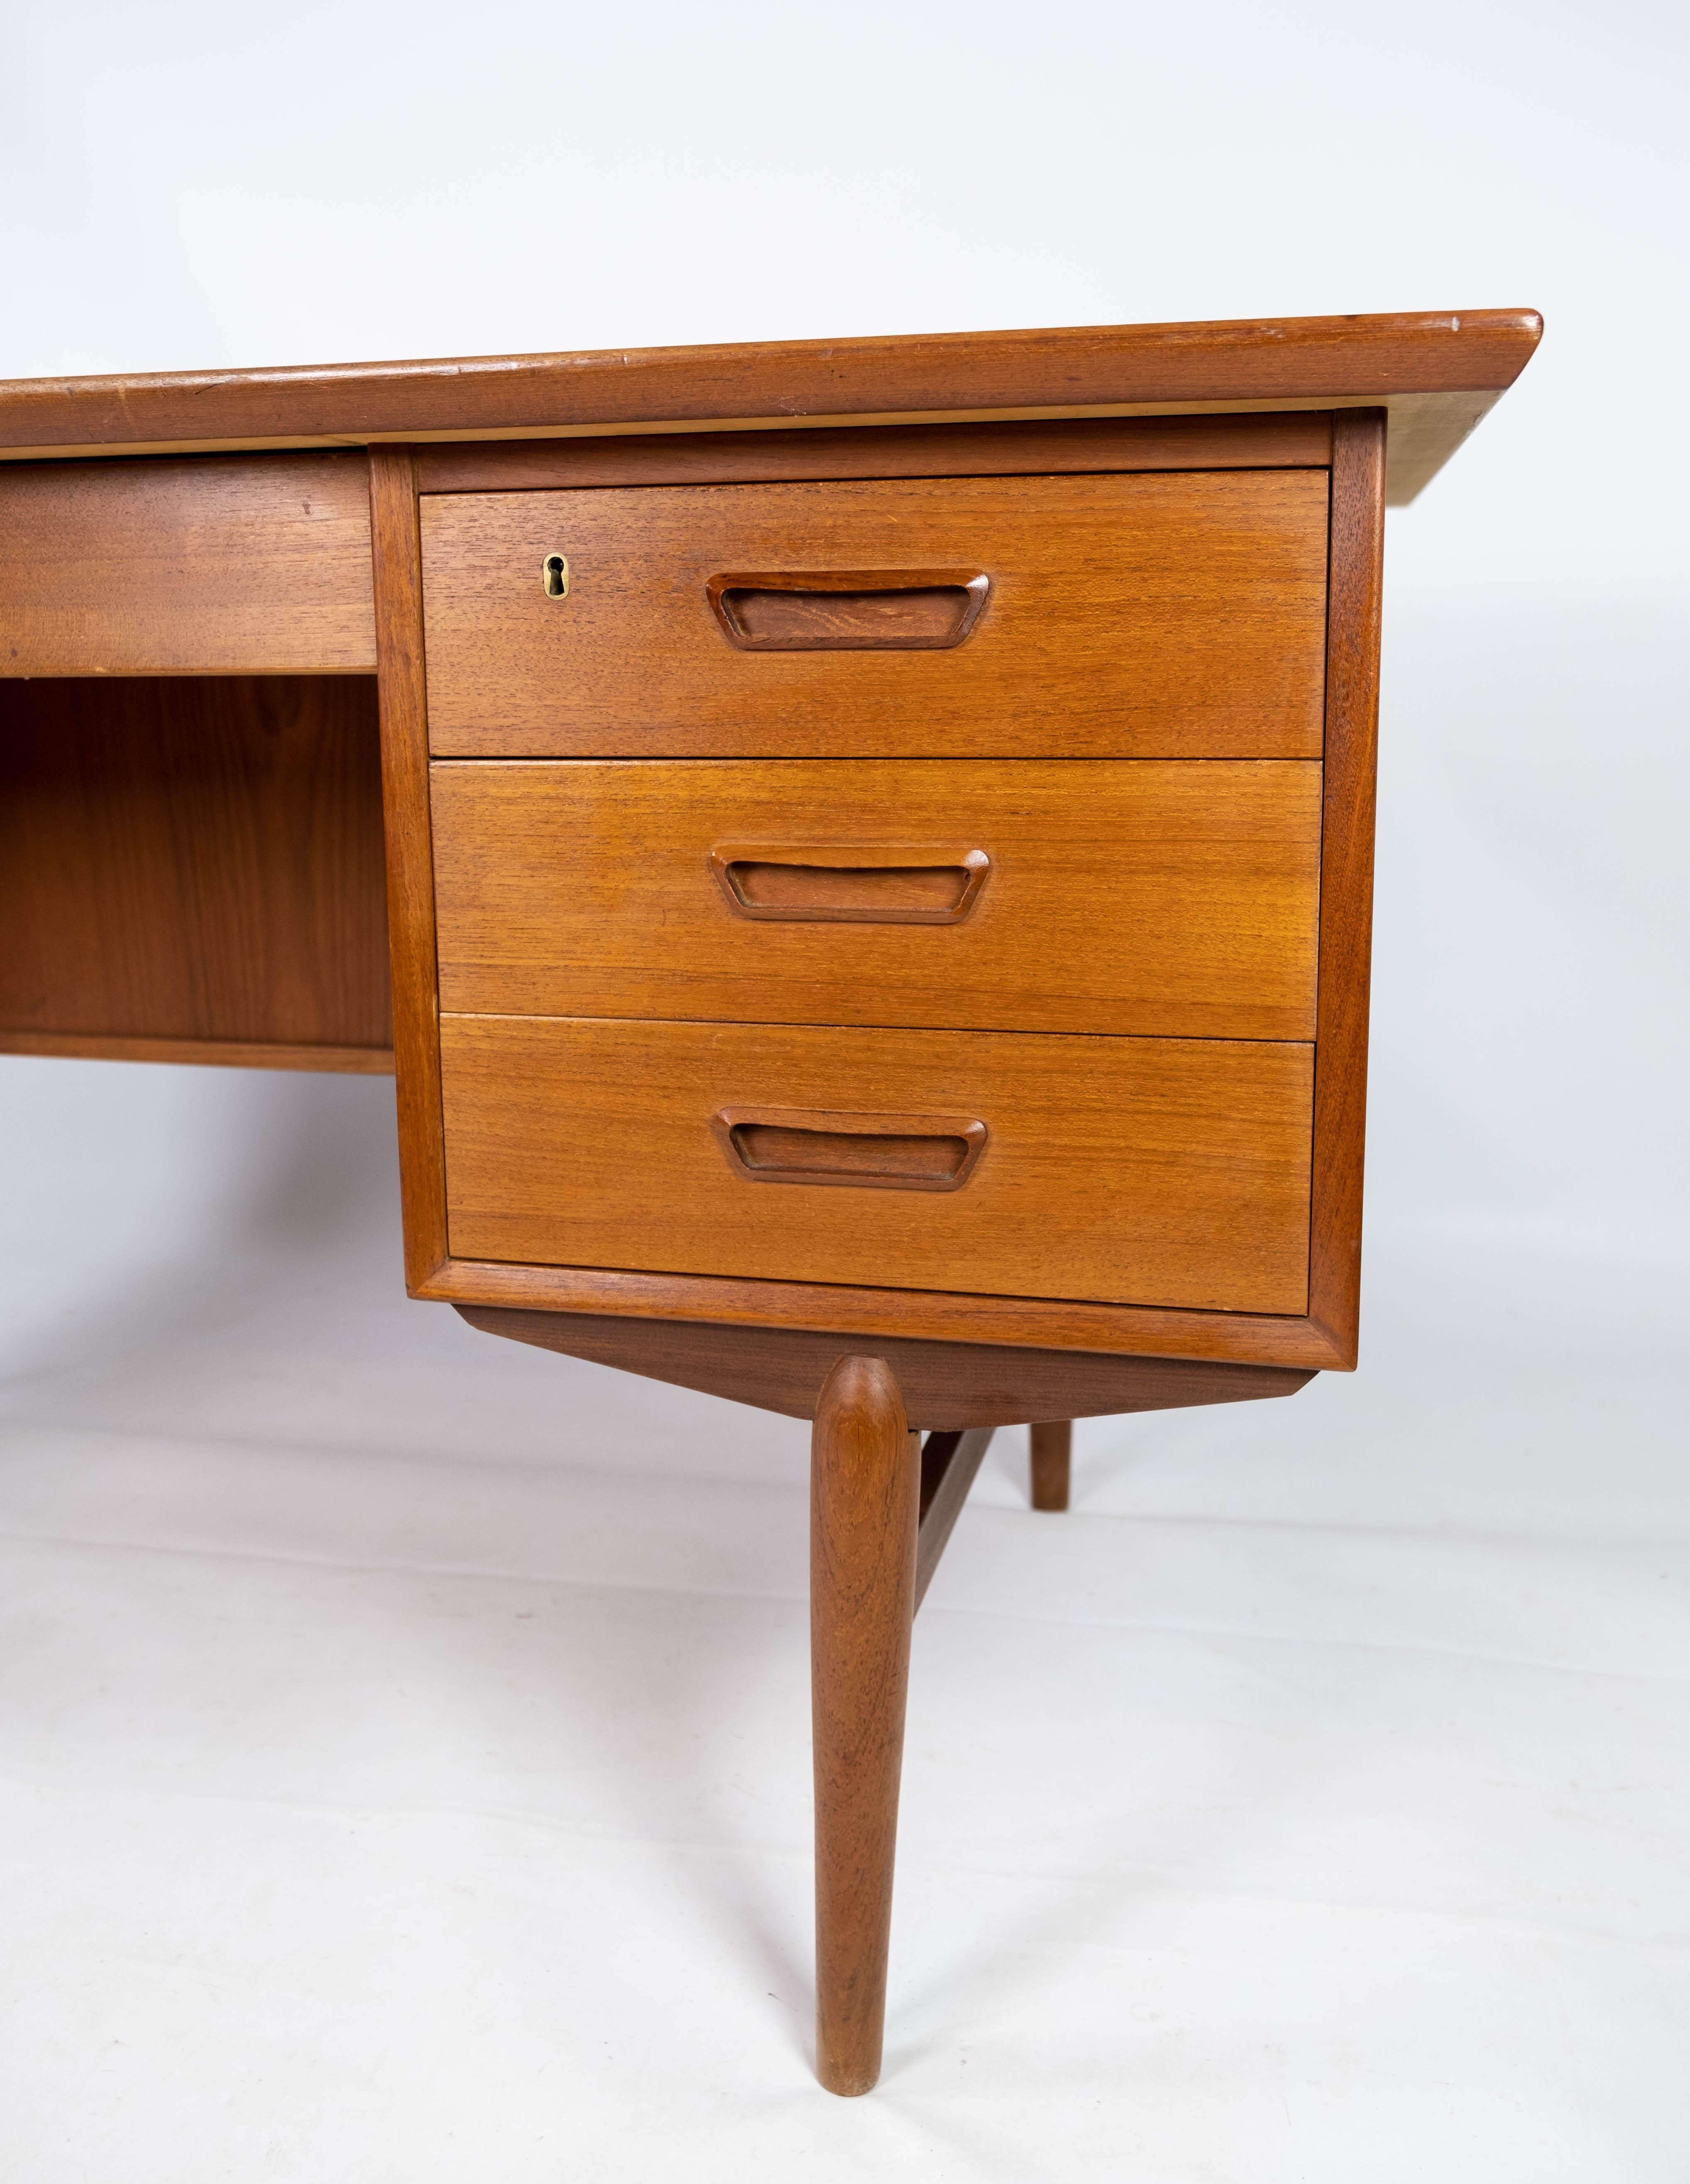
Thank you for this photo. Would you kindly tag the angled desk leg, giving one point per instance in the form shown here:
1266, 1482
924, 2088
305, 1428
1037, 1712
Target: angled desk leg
1052, 1444
881, 1507
865, 1499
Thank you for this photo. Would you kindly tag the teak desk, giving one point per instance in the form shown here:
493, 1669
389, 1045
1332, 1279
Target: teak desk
878, 865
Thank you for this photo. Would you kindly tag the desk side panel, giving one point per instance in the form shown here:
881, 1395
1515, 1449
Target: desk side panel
1352, 647
402, 682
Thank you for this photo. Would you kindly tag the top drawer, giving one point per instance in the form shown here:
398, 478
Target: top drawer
206, 564
1169, 615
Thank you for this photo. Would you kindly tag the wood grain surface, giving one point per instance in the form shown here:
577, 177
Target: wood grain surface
1131, 1171
1347, 876
865, 1489
1290, 439
1449, 364
194, 860
1164, 898
410, 866
1172, 615
946, 1385
232, 564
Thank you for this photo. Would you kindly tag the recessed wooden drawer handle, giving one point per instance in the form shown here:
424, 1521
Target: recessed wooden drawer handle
877, 1152
851, 611
850, 886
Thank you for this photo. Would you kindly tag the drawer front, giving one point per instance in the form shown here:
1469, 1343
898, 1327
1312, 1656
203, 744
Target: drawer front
206, 564
1178, 615
1126, 1171
1167, 898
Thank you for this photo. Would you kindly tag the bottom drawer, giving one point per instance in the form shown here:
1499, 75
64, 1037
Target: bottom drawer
1127, 1171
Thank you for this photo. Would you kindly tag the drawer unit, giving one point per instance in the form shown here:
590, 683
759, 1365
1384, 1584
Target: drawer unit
1166, 1172
1033, 795
1161, 615
1175, 899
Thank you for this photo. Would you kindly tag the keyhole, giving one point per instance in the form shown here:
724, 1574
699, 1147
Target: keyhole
555, 571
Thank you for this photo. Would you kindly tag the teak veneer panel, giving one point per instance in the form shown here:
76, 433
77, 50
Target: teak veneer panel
252, 565
1117, 1170
1290, 439
1158, 615
1169, 898
195, 859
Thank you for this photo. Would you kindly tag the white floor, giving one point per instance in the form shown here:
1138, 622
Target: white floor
403, 1735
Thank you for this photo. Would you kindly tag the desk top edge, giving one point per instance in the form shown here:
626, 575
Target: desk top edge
1437, 372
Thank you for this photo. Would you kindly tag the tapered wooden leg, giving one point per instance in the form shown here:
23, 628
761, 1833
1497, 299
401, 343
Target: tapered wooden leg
1051, 1445
865, 1489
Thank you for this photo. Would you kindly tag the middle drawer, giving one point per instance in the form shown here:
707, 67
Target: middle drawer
1172, 898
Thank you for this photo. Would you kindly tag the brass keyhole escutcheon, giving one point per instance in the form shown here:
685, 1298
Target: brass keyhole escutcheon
554, 575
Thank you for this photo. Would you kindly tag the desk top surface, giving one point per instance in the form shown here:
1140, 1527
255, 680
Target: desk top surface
1437, 372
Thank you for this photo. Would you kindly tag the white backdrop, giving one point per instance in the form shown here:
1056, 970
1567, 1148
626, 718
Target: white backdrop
403, 1737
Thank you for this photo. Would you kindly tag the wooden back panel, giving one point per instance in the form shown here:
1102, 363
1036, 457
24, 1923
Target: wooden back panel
192, 866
